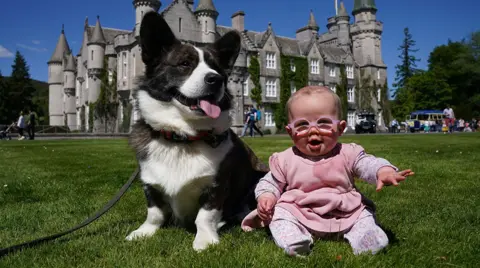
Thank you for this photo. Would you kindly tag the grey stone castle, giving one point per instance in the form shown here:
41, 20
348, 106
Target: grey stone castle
74, 81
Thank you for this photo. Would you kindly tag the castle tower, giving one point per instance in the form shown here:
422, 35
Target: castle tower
306, 33
55, 81
69, 84
142, 7
207, 17
343, 22
190, 4
366, 35
96, 55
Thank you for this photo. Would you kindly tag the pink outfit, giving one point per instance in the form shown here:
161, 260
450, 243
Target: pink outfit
319, 194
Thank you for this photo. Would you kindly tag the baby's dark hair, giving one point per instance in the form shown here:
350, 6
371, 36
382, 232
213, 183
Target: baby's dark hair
311, 90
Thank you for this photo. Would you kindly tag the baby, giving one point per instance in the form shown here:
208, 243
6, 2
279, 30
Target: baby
310, 191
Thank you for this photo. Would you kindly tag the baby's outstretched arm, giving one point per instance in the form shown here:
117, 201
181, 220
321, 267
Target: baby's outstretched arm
378, 171
267, 192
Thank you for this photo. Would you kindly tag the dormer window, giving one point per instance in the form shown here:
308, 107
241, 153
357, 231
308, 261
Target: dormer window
350, 72
270, 60
314, 66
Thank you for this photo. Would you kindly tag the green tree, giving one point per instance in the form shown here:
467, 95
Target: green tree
106, 105
254, 71
341, 89
20, 88
407, 67
3, 100
385, 103
431, 92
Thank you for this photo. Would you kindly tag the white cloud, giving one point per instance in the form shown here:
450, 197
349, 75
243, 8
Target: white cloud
36, 42
5, 53
35, 49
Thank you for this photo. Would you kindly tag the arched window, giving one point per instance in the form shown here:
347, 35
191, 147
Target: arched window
206, 26
92, 55
179, 25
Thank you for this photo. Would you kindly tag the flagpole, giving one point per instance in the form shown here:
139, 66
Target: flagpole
336, 8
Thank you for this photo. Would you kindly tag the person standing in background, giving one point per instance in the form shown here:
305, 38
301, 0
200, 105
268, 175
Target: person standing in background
21, 126
449, 118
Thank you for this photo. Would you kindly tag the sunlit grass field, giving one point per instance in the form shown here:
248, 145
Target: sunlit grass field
433, 219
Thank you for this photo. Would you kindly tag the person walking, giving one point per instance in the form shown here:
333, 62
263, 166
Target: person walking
252, 119
31, 125
449, 118
21, 126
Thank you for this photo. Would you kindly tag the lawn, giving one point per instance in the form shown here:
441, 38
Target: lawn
48, 186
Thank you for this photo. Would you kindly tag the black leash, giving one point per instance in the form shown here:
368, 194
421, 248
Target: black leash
98, 214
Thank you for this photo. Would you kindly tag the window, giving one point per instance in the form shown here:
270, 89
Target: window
179, 25
379, 94
134, 65
292, 65
350, 95
378, 74
271, 64
245, 87
293, 88
333, 88
271, 88
124, 65
91, 53
332, 70
351, 119
314, 66
110, 76
141, 16
269, 119
350, 72
206, 26
379, 118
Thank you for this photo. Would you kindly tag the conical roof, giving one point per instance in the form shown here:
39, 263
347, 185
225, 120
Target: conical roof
70, 66
61, 49
364, 4
85, 38
342, 11
97, 36
312, 22
205, 5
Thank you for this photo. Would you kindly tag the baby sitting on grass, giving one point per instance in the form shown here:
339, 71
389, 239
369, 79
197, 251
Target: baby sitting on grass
310, 192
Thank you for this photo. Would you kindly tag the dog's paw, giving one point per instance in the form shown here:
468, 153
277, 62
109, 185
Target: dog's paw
203, 240
142, 232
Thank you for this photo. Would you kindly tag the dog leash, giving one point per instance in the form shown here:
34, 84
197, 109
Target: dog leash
98, 214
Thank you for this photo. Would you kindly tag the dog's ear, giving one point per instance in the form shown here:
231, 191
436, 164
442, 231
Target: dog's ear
227, 49
156, 37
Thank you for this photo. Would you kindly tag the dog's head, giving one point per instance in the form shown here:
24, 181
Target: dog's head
184, 87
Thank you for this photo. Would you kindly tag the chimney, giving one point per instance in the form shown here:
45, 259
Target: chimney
238, 21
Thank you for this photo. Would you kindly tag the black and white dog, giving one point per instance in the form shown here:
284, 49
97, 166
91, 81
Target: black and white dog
195, 170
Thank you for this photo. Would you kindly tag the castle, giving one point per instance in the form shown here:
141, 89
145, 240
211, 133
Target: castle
74, 81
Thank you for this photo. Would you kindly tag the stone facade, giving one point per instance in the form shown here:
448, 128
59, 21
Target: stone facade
75, 82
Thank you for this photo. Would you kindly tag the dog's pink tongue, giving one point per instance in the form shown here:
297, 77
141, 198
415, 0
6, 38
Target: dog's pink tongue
210, 109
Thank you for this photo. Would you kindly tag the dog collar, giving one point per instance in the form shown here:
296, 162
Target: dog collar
211, 139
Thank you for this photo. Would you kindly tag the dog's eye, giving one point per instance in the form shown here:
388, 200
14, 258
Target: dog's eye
185, 64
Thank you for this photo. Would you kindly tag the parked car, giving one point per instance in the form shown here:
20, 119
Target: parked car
365, 123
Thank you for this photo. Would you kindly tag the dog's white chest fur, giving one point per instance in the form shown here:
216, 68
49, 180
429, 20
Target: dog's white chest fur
182, 171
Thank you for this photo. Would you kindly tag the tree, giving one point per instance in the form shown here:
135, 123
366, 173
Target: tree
431, 92
407, 67
254, 71
20, 87
341, 89
106, 105
385, 103
3, 100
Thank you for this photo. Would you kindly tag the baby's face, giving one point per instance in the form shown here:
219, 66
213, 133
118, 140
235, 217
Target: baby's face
319, 110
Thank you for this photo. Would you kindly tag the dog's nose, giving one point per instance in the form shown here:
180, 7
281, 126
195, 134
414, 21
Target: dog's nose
213, 79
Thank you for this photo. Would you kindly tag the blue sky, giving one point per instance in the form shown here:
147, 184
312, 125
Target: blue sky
33, 26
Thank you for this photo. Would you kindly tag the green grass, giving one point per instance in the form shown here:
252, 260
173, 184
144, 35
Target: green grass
434, 217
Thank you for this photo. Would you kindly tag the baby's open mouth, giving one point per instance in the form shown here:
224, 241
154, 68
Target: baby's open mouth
314, 142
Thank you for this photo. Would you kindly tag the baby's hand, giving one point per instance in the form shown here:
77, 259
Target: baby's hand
388, 176
266, 203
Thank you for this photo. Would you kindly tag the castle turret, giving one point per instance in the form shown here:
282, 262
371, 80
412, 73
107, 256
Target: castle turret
55, 81
343, 22
96, 55
207, 17
142, 7
69, 90
190, 4
364, 10
306, 33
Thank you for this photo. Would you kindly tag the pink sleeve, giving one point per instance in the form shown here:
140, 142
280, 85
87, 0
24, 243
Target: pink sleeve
275, 180
366, 166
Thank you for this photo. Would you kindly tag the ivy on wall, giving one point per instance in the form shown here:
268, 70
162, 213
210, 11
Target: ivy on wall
364, 92
299, 78
127, 115
385, 103
341, 89
254, 71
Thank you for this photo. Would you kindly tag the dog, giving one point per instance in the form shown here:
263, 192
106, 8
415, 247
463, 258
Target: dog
195, 171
